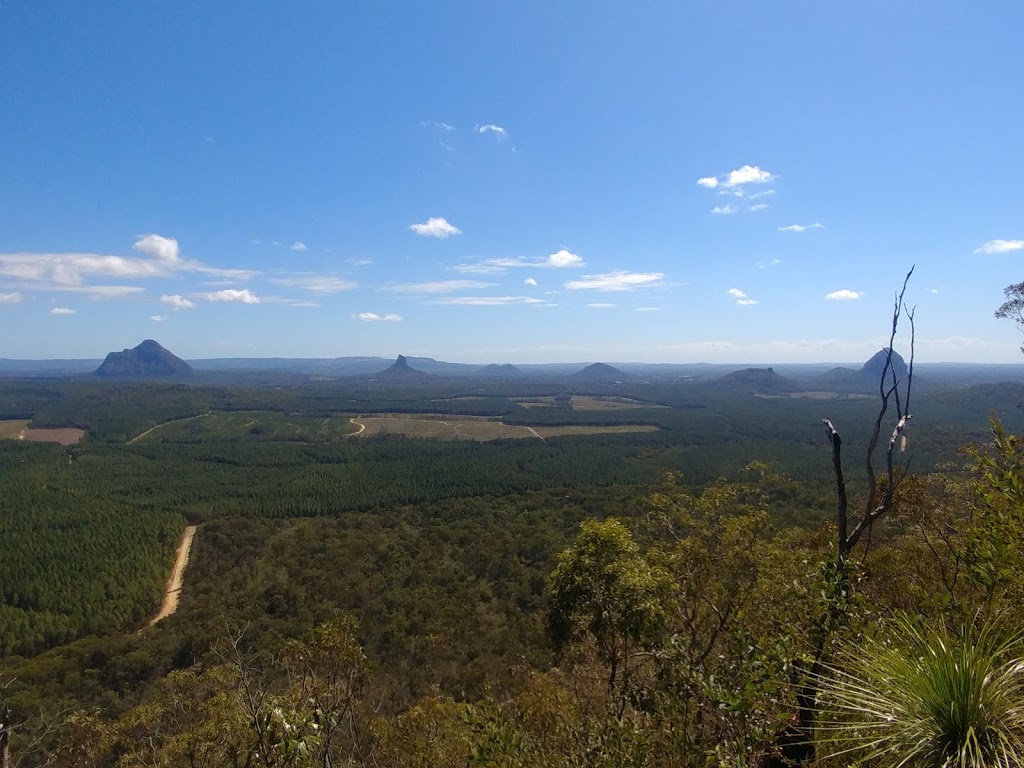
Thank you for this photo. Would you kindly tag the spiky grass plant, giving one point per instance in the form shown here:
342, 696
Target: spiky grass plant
927, 698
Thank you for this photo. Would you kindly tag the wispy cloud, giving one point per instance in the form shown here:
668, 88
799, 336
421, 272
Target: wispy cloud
497, 130
1000, 246
724, 210
435, 227
158, 318
561, 259
530, 281
843, 295
359, 262
299, 246
439, 286
762, 193
487, 301
176, 301
373, 317
63, 311
618, 280
243, 296
801, 227
647, 309
741, 297
10, 298
441, 126
74, 271
748, 174
316, 283
601, 305
759, 206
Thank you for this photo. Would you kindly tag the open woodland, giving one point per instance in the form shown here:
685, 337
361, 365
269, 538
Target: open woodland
514, 573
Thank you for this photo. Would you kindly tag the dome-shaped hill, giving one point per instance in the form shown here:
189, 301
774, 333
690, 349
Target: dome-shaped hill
754, 380
148, 360
876, 365
600, 372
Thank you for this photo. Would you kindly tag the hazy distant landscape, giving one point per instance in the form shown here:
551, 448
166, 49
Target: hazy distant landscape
528, 384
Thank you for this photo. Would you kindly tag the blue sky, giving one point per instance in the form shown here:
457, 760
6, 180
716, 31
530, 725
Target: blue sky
521, 181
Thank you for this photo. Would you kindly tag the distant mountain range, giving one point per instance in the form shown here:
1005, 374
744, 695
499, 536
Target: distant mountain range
150, 360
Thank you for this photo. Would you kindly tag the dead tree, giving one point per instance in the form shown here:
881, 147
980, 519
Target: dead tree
795, 745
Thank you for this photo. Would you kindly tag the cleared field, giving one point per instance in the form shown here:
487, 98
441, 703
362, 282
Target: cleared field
13, 429
219, 426
447, 427
18, 429
545, 401
593, 403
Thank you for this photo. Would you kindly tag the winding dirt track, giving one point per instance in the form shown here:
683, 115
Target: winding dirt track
170, 601
361, 427
165, 423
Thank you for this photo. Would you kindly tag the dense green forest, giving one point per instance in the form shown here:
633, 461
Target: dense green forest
439, 590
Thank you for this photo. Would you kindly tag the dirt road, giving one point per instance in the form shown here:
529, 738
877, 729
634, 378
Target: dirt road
164, 423
536, 434
361, 427
170, 601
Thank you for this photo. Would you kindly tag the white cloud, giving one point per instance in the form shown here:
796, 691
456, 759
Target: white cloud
741, 297
159, 247
359, 262
63, 311
10, 298
232, 295
316, 283
439, 286
530, 281
299, 246
647, 309
618, 280
1001, 246
373, 317
487, 301
158, 318
497, 130
844, 295
600, 305
435, 227
759, 207
934, 290
748, 174
762, 193
801, 227
563, 258
724, 210
176, 301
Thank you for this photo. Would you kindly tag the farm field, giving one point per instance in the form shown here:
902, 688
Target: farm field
448, 427
593, 403
18, 429
220, 426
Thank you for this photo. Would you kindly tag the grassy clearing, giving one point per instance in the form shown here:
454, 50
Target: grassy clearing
447, 427
222, 426
594, 403
12, 429
544, 401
